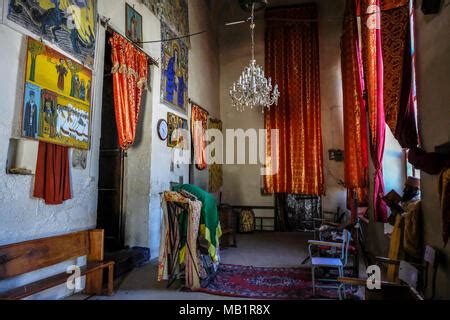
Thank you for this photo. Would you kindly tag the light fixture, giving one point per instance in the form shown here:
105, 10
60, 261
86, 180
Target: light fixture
253, 89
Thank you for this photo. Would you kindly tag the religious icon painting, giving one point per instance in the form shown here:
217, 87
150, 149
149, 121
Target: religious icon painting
174, 78
68, 24
31, 109
63, 115
134, 25
178, 136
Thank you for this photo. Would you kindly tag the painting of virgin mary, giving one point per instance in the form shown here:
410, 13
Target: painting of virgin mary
174, 84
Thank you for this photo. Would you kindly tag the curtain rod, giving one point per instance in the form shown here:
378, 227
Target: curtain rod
111, 29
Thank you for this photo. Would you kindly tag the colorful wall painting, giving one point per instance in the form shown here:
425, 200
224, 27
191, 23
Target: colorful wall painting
134, 25
69, 24
177, 138
64, 89
174, 78
173, 13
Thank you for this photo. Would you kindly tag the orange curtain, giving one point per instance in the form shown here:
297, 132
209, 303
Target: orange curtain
355, 116
52, 180
130, 76
292, 60
199, 123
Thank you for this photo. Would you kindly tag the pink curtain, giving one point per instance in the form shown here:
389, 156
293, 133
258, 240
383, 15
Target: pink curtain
373, 66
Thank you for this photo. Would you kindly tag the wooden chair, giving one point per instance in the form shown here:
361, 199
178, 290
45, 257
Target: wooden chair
21, 258
338, 263
405, 283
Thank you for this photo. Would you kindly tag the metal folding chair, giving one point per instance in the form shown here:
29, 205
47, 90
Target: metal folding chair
339, 263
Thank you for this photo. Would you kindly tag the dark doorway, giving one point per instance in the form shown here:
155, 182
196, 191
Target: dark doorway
110, 212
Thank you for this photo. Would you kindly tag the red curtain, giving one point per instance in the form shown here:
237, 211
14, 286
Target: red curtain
398, 82
373, 69
52, 180
355, 116
130, 76
199, 123
292, 60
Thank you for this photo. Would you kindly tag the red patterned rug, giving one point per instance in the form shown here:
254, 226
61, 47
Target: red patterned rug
266, 283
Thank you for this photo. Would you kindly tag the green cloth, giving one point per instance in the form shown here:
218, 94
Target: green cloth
209, 221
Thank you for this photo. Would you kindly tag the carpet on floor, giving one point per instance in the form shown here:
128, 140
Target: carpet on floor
266, 283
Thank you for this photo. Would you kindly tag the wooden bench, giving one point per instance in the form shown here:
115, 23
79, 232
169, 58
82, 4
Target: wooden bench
19, 259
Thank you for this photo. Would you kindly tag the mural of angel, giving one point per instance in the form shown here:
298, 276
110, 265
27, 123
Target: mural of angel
69, 24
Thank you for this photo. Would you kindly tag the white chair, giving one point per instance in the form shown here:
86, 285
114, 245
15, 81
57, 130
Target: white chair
338, 263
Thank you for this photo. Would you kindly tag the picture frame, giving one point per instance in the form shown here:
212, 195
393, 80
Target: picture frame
133, 25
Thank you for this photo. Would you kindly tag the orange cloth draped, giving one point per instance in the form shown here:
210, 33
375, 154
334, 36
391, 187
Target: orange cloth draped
52, 180
355, 116
130, 76
373, 69
199, 123
292, 60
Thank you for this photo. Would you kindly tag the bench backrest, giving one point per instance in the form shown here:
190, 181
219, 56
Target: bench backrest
21, 258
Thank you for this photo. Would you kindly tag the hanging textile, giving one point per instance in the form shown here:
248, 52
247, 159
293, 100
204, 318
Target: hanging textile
130, 76
199, 123
215, 169
444, 194
373, 70
52, 180
181, 240
210, 228
398, 73
292, 61
355, 117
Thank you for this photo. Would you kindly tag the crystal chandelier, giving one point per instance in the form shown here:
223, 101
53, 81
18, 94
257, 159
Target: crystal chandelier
253, 89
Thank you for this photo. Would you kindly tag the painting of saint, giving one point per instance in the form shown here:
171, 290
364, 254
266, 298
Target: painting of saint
134, 25
31, 111
47, 123
175, 70
69, 24
62, 73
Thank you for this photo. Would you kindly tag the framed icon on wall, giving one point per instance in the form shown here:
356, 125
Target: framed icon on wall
134, 25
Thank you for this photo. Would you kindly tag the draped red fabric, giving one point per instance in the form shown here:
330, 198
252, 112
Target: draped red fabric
52, 180
373, 68
199, 123
130, 76
355, 116
398, 73
292, 61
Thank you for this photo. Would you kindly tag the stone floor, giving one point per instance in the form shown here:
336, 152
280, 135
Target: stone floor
259, 250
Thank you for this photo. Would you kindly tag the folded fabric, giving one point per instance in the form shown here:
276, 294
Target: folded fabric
412, 238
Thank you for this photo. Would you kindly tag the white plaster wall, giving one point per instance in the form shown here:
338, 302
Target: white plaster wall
242, 184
